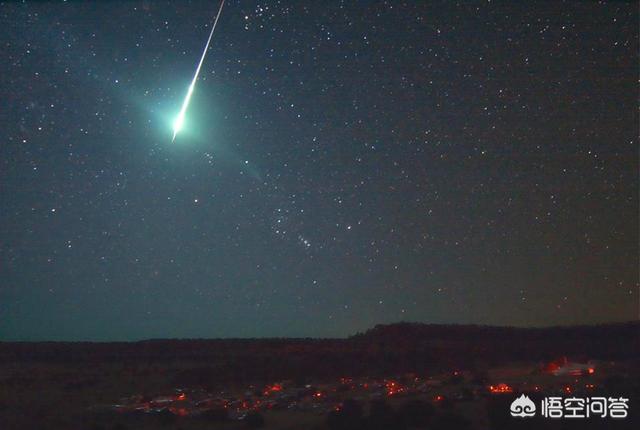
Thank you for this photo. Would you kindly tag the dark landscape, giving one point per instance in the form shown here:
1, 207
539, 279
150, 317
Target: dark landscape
393, 376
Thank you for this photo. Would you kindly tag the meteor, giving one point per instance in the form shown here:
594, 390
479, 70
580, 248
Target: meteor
179, 122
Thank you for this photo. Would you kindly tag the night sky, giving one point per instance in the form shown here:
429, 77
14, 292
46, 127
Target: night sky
342, 164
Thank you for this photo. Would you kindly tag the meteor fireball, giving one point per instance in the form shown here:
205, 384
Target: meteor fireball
179, 121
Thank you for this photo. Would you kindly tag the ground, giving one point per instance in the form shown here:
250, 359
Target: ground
82, 395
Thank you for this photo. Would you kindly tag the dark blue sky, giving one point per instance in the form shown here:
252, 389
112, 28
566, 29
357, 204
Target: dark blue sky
343, 164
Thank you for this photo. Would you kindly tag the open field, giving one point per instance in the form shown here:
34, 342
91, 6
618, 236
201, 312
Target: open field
305, 384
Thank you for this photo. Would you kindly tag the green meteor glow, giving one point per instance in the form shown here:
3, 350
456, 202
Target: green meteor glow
179, 121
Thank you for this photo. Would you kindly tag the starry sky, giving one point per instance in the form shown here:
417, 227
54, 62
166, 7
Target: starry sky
343, 164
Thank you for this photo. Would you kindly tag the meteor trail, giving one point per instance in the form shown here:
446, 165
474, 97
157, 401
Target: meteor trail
177, 125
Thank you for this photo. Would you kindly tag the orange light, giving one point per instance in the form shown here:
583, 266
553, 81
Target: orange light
273, 388
393, 388
591, 371
439, 398
182, 396
500, 388
567, 389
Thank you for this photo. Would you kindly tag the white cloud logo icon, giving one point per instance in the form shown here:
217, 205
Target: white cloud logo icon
523, 407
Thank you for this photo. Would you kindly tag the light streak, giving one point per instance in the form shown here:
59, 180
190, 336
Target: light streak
179, 122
